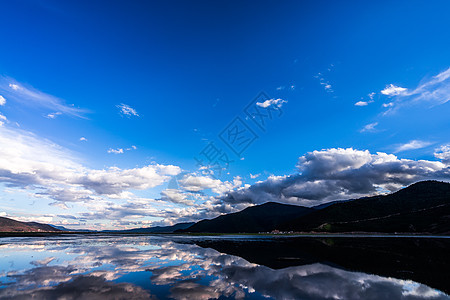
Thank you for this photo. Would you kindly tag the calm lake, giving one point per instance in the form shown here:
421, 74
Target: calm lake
242, 267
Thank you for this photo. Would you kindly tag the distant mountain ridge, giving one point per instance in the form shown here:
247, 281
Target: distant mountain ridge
161, 229
260, 218
423, 207
10, 225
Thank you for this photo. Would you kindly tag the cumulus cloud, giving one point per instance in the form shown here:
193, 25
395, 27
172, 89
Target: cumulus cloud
194, 183
333, 174
2, 100
271, 102
126, 110
443, 153
392, 90
176, 196
31, 96
412, 145
28, 161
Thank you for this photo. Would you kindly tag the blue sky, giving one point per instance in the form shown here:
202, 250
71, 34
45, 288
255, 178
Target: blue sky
105, 105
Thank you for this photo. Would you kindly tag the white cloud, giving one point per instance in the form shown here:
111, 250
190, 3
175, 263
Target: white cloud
194, 183
392, 90
176, 196
443, 153
83, 139
412, 145
127, 110
432, 91
323, 82
390, 104
15, 87
271, 102
115, 151
30, 96
3, 119
371, 95
28, 161
2, 100
121, 150
332, 174
53, 115
369, 127
253, 176
361, 103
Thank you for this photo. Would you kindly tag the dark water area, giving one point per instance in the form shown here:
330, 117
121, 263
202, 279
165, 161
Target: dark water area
240, 267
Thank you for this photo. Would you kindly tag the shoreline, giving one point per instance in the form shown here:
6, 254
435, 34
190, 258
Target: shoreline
228, 235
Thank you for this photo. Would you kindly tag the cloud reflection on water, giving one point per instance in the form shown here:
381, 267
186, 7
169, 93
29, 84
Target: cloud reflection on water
156, 267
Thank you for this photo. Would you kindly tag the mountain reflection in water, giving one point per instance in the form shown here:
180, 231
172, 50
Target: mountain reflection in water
153, 267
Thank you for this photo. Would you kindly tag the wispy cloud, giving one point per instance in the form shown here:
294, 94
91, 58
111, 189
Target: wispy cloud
83, 139
369, 127
53, 115
361, 103
3, 119
280, 88
31, 96
115, 151
412, 145
323, 81
433, 91
2, 100
127, 110
121, 150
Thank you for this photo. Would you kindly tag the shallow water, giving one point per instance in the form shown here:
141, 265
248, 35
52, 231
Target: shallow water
159, 267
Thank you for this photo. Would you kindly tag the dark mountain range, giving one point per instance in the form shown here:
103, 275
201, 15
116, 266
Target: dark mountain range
62, 228
423, 207
260, 218
10, 225
161, 229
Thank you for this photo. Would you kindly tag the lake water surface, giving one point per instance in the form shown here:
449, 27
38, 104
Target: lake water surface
171, 267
